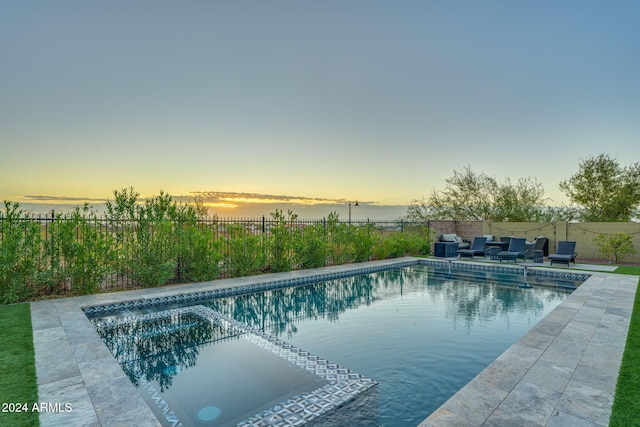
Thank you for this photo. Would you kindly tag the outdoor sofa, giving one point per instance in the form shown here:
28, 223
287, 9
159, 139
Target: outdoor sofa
454, 238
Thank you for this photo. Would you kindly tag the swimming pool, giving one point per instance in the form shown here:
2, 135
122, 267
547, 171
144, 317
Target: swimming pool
402, 328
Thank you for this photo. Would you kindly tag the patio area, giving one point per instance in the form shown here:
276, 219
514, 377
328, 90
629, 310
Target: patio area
563, 372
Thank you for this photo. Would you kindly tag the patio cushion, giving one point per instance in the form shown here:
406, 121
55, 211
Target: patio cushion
454, 238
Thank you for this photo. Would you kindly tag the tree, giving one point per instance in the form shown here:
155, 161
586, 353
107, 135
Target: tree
617, 245
604, 190
519, 202
477, 197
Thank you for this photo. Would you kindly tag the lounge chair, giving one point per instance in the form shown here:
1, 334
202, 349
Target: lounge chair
537, 245
477, 247
565, 253
516, 249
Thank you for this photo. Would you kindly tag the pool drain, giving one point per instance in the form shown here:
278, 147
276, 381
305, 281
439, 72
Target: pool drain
209, 413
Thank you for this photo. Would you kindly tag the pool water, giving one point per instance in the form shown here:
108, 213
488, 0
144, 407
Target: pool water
420, 332
261, 378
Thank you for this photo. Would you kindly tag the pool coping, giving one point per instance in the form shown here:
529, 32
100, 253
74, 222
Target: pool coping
74, 366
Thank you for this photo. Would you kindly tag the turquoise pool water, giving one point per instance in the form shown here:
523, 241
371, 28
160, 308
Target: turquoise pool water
420, 333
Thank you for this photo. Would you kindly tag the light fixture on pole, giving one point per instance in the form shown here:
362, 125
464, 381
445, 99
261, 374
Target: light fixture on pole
355, 204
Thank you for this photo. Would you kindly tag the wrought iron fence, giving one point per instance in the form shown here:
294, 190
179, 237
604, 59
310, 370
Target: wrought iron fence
64, 251
80, 252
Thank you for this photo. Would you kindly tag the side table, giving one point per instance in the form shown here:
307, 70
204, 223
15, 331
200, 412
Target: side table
445, 249
492, 252
538, 256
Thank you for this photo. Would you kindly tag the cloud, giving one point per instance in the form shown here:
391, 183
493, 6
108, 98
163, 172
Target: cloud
60, 199
236, 198
210, 198
238, 204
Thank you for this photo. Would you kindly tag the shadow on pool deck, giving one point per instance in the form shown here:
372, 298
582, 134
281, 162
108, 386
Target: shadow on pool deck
562, 372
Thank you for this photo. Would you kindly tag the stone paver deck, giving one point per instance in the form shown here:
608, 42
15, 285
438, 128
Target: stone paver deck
563, 372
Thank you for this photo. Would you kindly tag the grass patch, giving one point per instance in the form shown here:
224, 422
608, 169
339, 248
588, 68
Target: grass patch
626, 405
628, 269
17, 365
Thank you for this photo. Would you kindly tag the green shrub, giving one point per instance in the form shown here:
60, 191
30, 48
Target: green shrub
392, 246
245, 254
413, 241
153, 259
80, 254
159, 241
615, 246
312, 247
155, 254
340, 240
20, 253
419, 239
364, 239
147, 236
199, 252
200, 256
121, 220
382, 250
281, 241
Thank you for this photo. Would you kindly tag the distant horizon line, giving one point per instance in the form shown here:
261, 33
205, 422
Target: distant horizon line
211, 198
363, 211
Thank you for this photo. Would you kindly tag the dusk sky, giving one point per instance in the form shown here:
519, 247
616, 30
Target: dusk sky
310, 102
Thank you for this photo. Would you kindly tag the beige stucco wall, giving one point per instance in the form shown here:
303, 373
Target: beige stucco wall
582, 233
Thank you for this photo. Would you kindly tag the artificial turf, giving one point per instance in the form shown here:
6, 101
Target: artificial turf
626, 405
17, 367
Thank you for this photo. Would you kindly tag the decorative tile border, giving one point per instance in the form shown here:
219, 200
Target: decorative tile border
343, 384
247, 289
278, 284
161, 403
532, 270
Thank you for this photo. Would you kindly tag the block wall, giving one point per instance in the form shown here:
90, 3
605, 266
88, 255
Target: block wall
582, 233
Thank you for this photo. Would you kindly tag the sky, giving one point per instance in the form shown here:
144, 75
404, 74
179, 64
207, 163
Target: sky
311, 105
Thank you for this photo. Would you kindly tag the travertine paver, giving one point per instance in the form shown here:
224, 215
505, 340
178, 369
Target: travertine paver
563, 372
